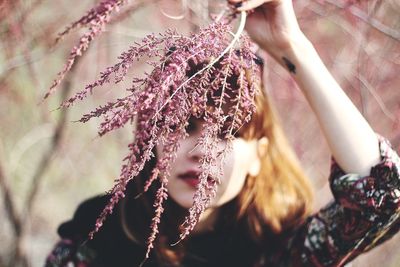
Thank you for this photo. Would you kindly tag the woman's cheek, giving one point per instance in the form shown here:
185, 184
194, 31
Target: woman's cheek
235, 172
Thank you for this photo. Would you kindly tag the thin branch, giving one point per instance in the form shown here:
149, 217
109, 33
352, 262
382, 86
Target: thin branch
396, 142
130, 9
55, 144
378, 99
347, 27
20, 256
364, 32
357, 12
26, 11
229, 47
339, 21
9, 202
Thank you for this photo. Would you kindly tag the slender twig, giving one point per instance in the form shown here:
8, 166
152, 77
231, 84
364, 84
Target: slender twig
357, 12
19, 255
224, 84
28, 10
364, 82
55, 144
129, 10
11, 210
364, 32
396, 142
378, 99
45, 162
8, 199
229, 47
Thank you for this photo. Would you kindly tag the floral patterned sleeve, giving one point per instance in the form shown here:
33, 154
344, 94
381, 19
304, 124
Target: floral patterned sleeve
364, 213
71, 250
68, 253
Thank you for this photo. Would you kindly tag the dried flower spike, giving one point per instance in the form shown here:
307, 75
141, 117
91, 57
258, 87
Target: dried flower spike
207, 75
95, 19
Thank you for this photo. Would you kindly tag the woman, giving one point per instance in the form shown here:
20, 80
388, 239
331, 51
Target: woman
261, 213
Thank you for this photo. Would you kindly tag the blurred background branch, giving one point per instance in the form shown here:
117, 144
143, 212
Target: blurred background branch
367, 18
9, 203
19, 256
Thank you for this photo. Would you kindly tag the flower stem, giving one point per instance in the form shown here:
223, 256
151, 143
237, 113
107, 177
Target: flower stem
232, 43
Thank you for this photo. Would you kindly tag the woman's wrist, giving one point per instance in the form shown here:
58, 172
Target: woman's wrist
294, 51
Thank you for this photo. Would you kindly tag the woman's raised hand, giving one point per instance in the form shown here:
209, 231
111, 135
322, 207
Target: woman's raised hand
272, 25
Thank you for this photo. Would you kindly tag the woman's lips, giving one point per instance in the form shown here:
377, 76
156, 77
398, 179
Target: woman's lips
192, 178
192, 182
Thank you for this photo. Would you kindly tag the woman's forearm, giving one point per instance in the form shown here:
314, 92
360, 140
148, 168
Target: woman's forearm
353, 143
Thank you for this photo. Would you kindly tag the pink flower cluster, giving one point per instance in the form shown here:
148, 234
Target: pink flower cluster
202, 75
182, 84
95, 20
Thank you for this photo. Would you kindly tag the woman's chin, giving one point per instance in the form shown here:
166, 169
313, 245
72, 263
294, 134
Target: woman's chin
183, 199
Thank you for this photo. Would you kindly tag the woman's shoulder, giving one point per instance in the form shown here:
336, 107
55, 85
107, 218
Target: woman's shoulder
84, 218
110, 246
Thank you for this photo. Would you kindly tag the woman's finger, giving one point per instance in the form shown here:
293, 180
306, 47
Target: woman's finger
248, 5
234, 1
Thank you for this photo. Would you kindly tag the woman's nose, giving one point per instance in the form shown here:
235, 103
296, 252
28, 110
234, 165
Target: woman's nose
194, 151
194, 155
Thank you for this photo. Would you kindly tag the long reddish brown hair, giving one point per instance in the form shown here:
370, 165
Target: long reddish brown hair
277, 199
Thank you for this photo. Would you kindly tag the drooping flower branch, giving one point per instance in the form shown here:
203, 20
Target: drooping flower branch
97, 15
209, 75
95, 20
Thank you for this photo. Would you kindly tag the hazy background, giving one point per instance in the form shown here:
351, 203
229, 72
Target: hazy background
48, 164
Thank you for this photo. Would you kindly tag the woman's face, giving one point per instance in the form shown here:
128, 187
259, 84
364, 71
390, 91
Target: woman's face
185, 170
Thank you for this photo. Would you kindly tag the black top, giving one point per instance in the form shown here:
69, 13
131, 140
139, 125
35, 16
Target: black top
112, 247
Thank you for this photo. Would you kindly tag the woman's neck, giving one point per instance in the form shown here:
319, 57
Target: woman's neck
207, 221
